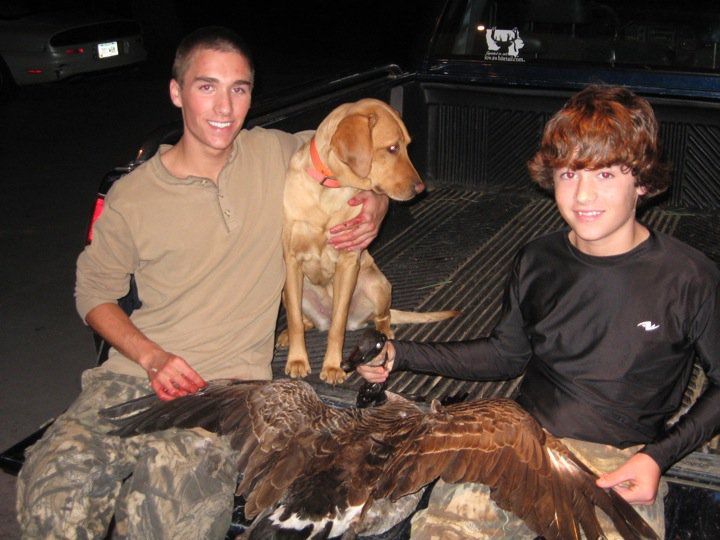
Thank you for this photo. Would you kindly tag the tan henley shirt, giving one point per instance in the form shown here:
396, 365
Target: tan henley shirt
207, 258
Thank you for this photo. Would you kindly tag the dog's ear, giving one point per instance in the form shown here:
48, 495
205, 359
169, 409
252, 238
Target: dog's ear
352, 142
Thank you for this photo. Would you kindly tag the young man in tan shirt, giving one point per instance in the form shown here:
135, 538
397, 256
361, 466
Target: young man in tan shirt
199, 227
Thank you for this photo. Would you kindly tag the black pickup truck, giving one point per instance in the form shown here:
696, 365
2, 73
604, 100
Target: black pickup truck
493, 74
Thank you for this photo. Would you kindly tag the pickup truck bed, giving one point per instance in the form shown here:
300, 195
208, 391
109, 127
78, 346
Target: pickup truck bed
451, 247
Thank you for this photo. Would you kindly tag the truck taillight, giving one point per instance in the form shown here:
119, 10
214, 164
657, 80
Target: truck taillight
97, 210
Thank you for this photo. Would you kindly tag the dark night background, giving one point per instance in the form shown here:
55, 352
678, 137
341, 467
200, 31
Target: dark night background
295, 41
58, 140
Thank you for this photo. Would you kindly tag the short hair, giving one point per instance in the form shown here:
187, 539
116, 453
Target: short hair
602, 126
216, 38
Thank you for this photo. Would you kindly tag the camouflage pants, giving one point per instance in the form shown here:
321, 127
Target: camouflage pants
171, 484
459, 511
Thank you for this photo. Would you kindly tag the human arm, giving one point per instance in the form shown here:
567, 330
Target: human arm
636, 480
702, 420
103, 274
359, 232
170, 375
697, 426
502, 355
474, 359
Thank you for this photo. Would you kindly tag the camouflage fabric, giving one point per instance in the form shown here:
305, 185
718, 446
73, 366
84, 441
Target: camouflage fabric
459, 511
172, 484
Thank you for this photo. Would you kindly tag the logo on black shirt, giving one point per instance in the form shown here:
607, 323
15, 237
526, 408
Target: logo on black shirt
648, 326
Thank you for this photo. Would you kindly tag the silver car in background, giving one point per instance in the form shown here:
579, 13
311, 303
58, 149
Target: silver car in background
39, 47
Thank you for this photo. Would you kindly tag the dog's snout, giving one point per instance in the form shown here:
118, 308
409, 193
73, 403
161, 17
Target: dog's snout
406, 189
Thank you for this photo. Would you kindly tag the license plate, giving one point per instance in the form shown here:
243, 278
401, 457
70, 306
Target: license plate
105, 50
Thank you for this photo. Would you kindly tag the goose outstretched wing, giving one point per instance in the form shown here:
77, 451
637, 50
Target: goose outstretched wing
531, 473
277, 427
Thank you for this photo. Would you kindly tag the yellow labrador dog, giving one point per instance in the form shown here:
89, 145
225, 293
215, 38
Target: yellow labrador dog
358, 146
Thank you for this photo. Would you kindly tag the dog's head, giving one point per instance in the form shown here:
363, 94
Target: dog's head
365, 145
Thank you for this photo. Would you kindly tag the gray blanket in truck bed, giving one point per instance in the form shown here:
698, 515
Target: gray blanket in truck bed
452, 250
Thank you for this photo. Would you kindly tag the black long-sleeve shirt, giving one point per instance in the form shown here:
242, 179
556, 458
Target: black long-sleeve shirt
607, 344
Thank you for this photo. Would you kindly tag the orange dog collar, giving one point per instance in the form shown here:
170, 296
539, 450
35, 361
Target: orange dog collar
319, 171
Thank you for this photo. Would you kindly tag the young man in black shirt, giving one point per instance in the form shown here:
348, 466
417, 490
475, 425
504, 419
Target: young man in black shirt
604, 319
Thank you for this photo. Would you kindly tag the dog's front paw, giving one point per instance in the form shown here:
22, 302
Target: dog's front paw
282, 341
333, 375
297, 368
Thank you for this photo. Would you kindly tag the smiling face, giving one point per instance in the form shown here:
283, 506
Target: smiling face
599, 206
215, 96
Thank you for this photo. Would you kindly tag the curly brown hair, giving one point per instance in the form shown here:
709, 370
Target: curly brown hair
601, 126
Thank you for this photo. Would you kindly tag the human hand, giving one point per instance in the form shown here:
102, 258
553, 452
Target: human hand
171, 376
378, 370
636, 480
359, 232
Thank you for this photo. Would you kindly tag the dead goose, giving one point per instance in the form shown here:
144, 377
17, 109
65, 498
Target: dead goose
311, 470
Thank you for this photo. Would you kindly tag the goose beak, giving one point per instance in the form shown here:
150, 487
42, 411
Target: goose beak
369, 345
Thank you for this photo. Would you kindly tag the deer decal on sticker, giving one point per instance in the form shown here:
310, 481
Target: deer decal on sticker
504, 42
